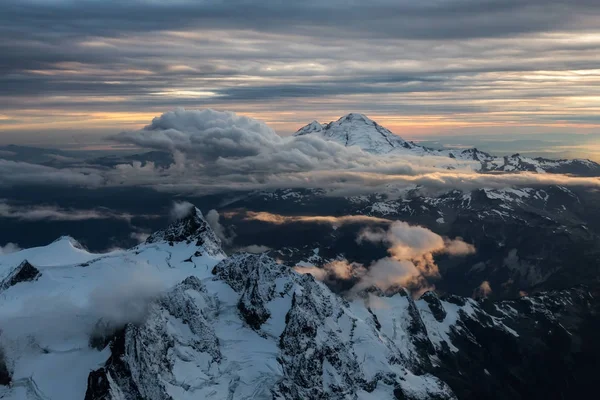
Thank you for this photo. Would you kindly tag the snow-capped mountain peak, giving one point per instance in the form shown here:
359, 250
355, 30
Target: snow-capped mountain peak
167, 320
314, 126
191, 227
356, 129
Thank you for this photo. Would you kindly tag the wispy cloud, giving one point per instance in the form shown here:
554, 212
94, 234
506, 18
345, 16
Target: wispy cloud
53, 213
9, 248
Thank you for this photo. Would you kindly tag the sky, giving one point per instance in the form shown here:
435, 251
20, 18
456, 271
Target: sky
73, 72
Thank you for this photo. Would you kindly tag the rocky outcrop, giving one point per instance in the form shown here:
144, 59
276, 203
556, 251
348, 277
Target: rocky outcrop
25, 272
260, 328
5, 377
189, 229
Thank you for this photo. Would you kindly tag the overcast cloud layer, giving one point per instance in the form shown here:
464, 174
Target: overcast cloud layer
72, 68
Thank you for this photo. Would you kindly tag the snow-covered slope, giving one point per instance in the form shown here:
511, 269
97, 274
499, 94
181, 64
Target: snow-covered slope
174, 319
358, 130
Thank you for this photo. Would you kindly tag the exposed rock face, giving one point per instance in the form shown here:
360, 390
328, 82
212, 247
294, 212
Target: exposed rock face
192, 228
259, 329
435, 305
248, 326
25, 272
5, 378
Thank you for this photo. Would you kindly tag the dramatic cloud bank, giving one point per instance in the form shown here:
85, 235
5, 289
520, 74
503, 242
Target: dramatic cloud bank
219, 151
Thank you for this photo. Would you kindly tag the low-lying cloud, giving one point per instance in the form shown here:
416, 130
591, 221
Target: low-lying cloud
411, 263
278, 219
180, 210
53, 213
46, 320
9, 248
334, 271
255, 248
482, 291
220, 151
226, 236
14, 173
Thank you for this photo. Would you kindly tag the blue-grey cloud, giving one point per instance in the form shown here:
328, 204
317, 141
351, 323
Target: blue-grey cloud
470, 61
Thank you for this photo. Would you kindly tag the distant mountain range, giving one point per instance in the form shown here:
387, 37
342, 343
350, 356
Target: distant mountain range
358, 130
186, 315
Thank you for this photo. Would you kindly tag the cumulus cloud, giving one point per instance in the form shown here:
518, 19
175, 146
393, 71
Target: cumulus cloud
227, 237
125, 299
208, 134
9, 248
482, 291
53, 213
416, 243
411, 263
389, 273
412, 249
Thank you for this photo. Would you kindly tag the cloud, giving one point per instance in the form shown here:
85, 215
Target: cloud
207, 134
180, 210
412, 249
218, 152
48, 320
125, 299
387, 273
482, 291
9, 248
279, 219
140, 237
333, 271
53, 213
212, 217
222, 151
410, 265
517, 50
13, 173
254, 248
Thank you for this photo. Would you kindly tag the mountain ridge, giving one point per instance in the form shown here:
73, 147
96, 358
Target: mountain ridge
248, 326
355, 129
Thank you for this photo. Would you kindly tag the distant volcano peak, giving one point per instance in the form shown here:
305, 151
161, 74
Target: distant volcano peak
355, 129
